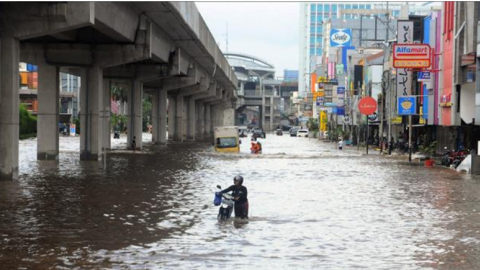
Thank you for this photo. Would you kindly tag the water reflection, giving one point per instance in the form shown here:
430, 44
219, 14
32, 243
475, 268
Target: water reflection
312, 206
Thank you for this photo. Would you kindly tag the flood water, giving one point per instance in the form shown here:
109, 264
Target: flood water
311, 207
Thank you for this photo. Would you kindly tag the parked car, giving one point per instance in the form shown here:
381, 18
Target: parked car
259, 133
293, 132
302, 133
279, 132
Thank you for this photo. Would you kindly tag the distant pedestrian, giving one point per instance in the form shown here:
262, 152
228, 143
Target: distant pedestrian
340, 144
134, 143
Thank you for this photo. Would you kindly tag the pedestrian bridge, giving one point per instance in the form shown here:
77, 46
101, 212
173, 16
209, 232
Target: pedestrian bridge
162, 48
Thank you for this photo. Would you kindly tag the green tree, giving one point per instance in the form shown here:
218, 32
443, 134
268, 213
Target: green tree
28, 123
147, 111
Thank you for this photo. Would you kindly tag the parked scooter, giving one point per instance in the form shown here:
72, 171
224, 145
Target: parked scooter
459, 157
446, 158
453, 157
226, 203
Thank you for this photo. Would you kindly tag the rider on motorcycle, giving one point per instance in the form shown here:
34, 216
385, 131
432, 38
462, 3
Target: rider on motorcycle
239, 193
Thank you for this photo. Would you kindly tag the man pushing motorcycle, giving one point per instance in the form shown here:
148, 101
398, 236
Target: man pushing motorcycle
239, 193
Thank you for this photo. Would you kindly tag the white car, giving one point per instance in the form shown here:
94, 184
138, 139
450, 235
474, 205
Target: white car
302, 133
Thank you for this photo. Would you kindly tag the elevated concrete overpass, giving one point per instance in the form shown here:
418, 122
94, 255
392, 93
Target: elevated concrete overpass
163, 48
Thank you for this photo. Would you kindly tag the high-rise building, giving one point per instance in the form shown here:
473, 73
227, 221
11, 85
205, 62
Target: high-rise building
314, 15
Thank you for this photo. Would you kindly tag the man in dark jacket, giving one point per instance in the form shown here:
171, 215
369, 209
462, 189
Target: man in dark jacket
239, 193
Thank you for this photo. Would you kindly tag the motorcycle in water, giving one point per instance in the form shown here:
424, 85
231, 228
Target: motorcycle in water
446, 158
459, 157
225, 201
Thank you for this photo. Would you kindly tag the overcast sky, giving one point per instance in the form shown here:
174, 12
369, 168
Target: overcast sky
267, 30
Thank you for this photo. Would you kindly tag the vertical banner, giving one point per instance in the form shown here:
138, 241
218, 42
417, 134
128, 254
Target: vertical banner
313, 82
323, 120
404, 77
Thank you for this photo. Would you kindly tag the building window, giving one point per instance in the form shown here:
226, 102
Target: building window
320, 18
319, 29
319, 51
327, 8
312, 51
361, 6
368, 6
312, 40
354, 6
312, 8
334, 7
320, 8
348, 6
312, 19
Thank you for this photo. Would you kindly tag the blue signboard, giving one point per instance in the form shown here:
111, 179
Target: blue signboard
31, 68
407, 105
320, 101
340, 90
340, 110
423, 76
340, 37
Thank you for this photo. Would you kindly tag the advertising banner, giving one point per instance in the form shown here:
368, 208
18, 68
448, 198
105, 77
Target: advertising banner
340, 37
340, 90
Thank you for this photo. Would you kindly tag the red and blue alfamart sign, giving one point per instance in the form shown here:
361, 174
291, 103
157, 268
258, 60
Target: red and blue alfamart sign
412, 55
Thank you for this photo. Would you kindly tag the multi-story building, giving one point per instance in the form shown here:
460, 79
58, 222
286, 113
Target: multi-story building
314, 15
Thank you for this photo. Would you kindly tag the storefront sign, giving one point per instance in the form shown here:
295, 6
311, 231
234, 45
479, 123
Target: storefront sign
403, 76
423, 76
367, 105
411, 55
340, 90
407, 105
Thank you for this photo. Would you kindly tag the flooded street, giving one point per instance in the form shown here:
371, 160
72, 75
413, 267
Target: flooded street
311, 207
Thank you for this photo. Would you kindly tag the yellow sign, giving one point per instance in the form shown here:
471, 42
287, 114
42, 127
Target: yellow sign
411, 63
322, 79
397, 120
318, 94
323, 120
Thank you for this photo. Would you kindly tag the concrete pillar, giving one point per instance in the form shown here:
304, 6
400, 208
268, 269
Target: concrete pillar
91, 95
229, 117
135, 115
191, 119
179, 119
200, 118
172, 104
159, 111
155, 116
48, 116
208, 120
185, 119
106, 111
9, 103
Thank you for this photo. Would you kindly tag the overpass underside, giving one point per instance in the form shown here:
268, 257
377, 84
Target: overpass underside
161, 48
